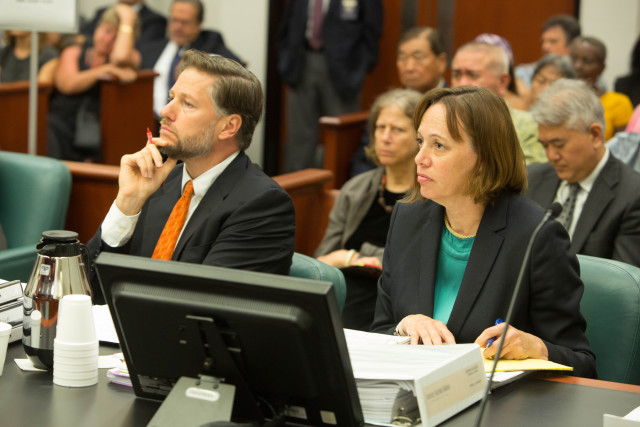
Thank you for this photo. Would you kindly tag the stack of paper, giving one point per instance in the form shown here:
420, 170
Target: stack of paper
393, 380
11, 307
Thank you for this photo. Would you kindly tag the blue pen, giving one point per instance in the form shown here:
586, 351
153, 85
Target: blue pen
491, 340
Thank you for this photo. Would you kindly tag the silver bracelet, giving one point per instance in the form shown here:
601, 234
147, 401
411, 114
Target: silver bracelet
350, 255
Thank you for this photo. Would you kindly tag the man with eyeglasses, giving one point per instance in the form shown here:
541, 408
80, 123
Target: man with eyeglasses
185, 32
421, 63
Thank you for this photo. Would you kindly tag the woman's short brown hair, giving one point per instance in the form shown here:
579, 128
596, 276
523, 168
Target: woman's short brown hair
485, 118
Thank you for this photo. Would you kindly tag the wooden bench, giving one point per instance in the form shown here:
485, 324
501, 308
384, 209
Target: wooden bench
126, 111
341, 136
14, 115
95, 186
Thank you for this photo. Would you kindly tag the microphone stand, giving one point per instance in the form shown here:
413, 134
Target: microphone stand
552, 212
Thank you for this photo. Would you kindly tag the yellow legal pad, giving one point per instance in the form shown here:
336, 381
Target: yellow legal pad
525, 365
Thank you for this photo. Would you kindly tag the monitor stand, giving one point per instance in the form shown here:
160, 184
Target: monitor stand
193, 402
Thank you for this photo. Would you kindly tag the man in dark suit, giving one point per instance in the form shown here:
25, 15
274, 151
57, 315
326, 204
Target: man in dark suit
600, 194
185, 32
325, 49
153, 25
236, 216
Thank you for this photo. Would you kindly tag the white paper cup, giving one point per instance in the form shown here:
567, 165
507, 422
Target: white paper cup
73, 355
75, 320
5, 331
62, 345
85, 382
76, 364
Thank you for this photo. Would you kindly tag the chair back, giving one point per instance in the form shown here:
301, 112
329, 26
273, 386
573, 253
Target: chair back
306, 267
611, 307
34, 191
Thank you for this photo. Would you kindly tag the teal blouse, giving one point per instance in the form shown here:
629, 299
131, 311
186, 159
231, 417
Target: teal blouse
452, 263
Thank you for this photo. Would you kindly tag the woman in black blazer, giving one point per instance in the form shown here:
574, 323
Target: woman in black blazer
454, 251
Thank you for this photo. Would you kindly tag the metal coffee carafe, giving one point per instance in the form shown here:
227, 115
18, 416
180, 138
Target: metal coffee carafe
60, 269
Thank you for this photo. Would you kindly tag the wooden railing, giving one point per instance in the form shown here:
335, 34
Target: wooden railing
95, 186
14, 117
126, 111
340, 136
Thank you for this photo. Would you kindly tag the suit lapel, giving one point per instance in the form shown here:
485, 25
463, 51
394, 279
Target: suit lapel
429, 250
216, 194
483, 255
599, 198
545, 192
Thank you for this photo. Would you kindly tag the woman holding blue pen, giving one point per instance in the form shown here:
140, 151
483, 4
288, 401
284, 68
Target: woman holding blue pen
454, 250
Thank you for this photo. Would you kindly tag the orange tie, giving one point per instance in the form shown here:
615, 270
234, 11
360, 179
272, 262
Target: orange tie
169, 237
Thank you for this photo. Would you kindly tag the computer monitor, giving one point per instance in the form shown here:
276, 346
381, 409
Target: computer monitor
278, 339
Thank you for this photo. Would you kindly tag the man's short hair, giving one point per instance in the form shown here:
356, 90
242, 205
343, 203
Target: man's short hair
235, 90
560, 62
485, 118
569, 103
198, 5
498, 58
427, 33
568, 23
601, 49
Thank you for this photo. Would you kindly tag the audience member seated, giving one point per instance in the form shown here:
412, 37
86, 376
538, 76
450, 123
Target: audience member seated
630, 84
454, 250
15, 58
486, 65
152, 25
600, 194
74, 116
215, 208
634, 122
589, 55
512, 97
625, 146
359, 220
549, 69
421, 63
185, 32
557, 33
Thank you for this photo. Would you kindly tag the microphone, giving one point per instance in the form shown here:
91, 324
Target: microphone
551, 213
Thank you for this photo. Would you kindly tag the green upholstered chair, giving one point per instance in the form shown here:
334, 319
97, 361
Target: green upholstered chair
34, 196
611, 306
310, 268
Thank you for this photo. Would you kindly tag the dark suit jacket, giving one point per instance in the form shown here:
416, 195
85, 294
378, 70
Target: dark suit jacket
609, 225
153, 26
350, 44
207, 41
549, 302
245, 221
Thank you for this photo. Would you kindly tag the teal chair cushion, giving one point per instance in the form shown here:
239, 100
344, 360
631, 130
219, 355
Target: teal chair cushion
310, 268
34, 192
611, 306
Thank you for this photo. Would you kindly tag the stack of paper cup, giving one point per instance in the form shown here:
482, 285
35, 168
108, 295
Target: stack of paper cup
75, 348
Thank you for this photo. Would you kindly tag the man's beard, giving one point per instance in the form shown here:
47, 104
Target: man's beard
190, 147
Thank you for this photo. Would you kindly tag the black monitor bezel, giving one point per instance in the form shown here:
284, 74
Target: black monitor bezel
117, 272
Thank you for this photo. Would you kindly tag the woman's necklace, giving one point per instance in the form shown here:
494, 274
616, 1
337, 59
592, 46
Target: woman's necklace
458, 235
383, 182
